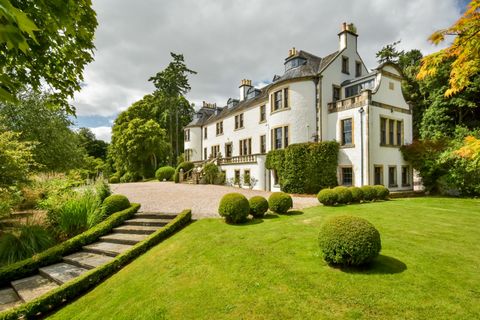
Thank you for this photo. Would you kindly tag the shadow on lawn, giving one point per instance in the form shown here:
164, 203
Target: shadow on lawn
381, 265
293, 213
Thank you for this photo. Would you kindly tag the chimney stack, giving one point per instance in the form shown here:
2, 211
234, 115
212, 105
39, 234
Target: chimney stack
245, 84
348, 36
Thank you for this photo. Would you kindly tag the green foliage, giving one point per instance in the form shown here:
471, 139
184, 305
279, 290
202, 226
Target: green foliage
348, 240
79, 213
89, 280
23, 242
55, 254
165, 173
344, 195
327, 197
185, 166
35, 119
114, 179
102, 189
258, 206
139, 147
280, 202
381, 192
369, 193
114, 203
210, 173
94, 148
16, 159
234, 207
45, 44
128, 177
305, 167
357, 194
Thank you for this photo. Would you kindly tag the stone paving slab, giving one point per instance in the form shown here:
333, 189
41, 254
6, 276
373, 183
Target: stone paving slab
136, 229
156, 215
8, 299
108, 248
124, 238
87, 260
33, 287
62, 272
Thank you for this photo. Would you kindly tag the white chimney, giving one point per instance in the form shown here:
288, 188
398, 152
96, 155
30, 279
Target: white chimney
244, 86
347, 36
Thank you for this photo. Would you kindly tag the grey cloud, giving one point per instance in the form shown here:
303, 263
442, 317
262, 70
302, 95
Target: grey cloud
225, 41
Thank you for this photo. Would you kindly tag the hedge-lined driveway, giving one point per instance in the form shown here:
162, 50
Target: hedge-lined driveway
202, 199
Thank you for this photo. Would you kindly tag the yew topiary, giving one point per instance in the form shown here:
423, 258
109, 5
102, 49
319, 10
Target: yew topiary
381, 192
344, 196
258, 206
369, 193
348, 240
114, 203
280, 202
327, 197
234, 207
165, 173
357, 194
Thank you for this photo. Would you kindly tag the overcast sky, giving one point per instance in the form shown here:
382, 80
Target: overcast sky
226, 41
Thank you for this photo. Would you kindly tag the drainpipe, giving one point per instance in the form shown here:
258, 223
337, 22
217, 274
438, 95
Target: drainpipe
361, 145
318, 106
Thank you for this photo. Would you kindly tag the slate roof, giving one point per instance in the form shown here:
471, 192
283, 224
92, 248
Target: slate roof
313, 66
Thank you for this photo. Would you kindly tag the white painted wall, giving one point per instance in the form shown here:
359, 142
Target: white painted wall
195, 143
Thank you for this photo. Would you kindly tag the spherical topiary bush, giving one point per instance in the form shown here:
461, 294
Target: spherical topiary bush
280, 202
258, 206
348, 240
327, 197
381, 192
114, 179
234, 207
357, 194
114, 203
344, 195
369, 193
165, 173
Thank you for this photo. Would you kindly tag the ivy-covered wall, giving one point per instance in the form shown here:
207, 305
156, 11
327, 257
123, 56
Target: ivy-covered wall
305, 167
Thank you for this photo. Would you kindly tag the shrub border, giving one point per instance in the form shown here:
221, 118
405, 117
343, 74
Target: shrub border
90, 279
55, 254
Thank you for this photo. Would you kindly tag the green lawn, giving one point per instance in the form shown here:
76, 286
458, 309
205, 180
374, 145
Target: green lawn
429, 268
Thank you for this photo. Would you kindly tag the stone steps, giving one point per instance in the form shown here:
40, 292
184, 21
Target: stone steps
147, 222
33, 287
92, 256
136, 229
87, 260
124, 238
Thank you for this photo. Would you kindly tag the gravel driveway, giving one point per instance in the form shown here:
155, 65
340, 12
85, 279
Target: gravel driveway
202, 199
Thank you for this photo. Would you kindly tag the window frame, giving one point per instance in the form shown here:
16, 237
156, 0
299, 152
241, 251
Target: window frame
392, 184
345, 65
343, 142
285, 137
263, 113
239, 121
358, 68
408, 182
382, 181
263, 144
205, 133
342, 176
219, 128
336, 89
245, 147
392, 134
187, 135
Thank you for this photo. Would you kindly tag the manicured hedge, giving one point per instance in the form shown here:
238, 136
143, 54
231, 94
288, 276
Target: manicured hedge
327, 197
349, 240
258, 206
92, 278
53, 255
165, 173
357, 194
305, 167
381, 192
344, 195
280, 202
234, 207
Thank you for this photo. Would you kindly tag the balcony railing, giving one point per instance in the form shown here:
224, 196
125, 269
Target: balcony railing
251, 158
350, 102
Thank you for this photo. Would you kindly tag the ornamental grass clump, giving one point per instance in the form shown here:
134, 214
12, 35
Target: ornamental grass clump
258, 206
327, 197
344, 195
234, 207
280, 202
165, 173
349, 241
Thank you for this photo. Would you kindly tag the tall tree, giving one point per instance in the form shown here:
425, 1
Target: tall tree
172, 84
463, 53
36, 120
389, 53
94, 147
45, 43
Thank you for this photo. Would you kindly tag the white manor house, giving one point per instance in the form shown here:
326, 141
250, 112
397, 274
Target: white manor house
317, 99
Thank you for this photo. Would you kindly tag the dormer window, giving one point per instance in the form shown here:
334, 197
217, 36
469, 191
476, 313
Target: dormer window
232, 103
252, 93
293, 63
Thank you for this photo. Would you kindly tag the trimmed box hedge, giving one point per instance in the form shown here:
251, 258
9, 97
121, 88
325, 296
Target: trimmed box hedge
72, 289
27, 267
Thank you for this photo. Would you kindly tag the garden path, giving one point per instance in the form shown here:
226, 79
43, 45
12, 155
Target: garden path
202, 199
